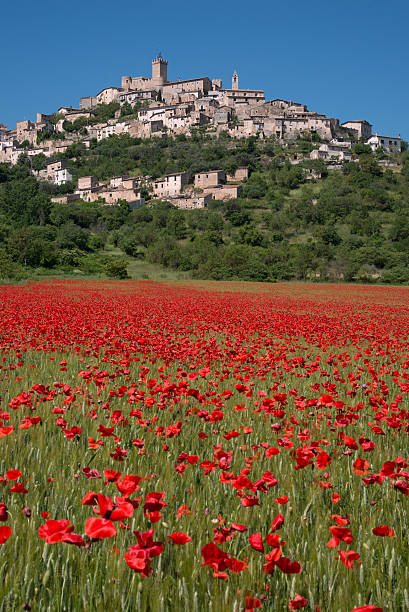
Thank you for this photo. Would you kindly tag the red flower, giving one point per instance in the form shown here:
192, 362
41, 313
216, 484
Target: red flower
55, 530
3, 512
298, 602
250, 500
99, 528
178, 537
214, 557
256, 542
348, 558
13, 474
322, 460
288, 567
5, 533
282, 500
277, 523
18, 488
138, 556
383, 530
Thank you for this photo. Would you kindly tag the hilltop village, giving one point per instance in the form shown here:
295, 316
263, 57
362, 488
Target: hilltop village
148, 107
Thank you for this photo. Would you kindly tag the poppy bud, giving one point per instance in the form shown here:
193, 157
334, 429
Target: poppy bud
3, 512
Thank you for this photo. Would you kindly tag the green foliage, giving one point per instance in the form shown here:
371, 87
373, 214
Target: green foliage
348, 225
116, 268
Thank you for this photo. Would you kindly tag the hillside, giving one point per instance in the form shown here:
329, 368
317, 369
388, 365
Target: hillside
304, 220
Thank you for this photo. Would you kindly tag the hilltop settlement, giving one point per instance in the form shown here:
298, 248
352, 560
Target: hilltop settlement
154, 107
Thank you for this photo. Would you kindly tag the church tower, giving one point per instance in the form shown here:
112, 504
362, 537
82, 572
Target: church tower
159, 71
235, 81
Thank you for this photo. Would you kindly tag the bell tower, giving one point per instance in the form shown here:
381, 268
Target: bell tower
159, 71
235, 81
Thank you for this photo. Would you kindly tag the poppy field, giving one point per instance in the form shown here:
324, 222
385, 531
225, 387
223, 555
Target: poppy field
189, 447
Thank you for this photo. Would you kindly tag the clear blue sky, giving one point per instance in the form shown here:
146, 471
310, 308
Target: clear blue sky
346, 59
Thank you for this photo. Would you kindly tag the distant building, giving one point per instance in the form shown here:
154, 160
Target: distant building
333, 151
362, 128
210, 178
388, 143
170, 185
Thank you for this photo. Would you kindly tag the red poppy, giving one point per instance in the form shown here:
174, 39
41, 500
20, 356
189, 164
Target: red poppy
298, 602
99, 528
55, 530
256, 542
18, 488
383, 530
287, 566
348, 558
3, 512
13, 474
178, 537
5, 533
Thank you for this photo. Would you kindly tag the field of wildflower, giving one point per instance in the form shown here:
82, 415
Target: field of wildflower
203, 446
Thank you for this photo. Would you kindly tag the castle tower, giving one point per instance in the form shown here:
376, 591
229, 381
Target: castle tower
235, 81
159, 71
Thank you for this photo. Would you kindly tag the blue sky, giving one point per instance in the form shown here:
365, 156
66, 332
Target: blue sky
346, 59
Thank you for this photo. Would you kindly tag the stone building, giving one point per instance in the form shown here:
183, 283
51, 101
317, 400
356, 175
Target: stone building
333, 151
241, 174
210, 178
87, 182
133, 96
223, 192
170, 185
361, 128
57, 172
26, 130
108, 95
389, 144
191, 202
88, 103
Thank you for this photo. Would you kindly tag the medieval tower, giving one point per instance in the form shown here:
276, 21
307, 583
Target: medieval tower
159, 71
235, 81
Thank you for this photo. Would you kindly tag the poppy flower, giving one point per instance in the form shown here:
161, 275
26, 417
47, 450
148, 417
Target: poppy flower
348, 558
287, 566
256, 542
298, 602
18, 488
3, 512
5, 533
178, 537
383, 530
99, 528
13, 474
55, 530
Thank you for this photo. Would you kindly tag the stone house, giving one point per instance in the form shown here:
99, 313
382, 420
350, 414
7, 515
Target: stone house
241, 174
224, 192
211, 178
133, 96
361, 128
333, 151
26, 130
388, 143
108, 95
88, 103
191, 202
170, 185
87, 182
62, 176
